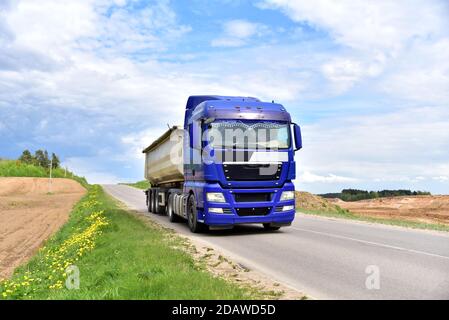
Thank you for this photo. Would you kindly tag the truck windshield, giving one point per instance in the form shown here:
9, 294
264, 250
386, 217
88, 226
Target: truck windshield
248, 135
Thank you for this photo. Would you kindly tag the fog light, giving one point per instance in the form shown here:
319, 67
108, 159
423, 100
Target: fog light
215, 210
288, 208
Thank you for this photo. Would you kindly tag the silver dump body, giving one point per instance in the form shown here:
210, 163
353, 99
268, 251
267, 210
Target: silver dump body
164, 158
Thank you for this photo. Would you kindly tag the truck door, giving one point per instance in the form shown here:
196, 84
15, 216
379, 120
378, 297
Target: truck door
192, 164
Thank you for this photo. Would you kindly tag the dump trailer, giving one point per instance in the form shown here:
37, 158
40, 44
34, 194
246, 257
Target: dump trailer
231, 162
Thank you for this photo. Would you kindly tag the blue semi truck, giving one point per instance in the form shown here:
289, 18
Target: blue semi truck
232, 162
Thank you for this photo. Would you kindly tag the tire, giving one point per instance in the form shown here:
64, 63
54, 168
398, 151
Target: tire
153, 201
156, 202
192, 216
172, 217
149, 197
269, 227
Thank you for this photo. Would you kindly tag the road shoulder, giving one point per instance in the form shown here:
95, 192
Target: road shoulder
226, 265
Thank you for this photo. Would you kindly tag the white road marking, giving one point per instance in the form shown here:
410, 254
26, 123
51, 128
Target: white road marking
372, 243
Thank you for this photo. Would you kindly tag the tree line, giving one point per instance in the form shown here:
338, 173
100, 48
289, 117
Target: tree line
355, 194
40, 158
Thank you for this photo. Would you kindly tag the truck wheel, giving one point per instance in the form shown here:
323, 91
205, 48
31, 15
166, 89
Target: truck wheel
192, 216
172, 217
268, 226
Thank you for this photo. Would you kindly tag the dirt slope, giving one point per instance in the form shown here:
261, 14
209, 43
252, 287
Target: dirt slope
29, 216
417, 208
308, 201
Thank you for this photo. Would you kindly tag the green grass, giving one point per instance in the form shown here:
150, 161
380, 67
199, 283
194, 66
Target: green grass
127, 259
16, 168
345, 214
144, 184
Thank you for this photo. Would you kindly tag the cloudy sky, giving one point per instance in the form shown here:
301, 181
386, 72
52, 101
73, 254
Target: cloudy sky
96, 81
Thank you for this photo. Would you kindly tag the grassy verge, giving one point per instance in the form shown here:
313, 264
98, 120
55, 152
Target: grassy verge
144, 184
119, 257
345, 214
15, 168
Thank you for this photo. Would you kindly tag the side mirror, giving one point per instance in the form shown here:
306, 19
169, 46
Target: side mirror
298, 137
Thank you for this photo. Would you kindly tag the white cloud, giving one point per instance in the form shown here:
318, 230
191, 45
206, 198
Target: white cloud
78, 57
241, 29
236, 33
408, 145
441, 178
309, 177
57, 30
422, 73
137, 141
90, 168
372, 24
345, 72
403, 44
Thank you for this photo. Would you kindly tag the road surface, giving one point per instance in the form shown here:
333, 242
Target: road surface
331, 258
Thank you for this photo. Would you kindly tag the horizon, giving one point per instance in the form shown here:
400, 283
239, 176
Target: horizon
298, 190
97, 81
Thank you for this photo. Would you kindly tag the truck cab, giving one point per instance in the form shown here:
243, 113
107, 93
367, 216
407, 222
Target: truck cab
238, 165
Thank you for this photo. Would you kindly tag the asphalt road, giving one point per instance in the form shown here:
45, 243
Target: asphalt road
331, 258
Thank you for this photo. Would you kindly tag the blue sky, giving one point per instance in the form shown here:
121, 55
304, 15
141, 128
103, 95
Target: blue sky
96, 81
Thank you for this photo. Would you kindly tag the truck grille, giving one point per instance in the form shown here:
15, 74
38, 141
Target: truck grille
252, 197
258, 211
252, 172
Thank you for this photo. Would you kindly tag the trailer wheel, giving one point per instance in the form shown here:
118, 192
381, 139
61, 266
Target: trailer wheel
148, 200
269, 227
153, 201
156, 202
192, 216
172, 217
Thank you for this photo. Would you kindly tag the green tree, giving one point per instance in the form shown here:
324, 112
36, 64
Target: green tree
55, 161
42, 158
26, 157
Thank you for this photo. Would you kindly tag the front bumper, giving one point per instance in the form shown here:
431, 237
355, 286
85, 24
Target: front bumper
232, 216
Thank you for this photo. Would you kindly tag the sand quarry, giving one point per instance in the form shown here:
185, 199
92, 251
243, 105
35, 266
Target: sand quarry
29, 215
427, 209
430, 209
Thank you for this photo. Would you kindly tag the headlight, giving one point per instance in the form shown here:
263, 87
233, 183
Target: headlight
287, 195
288, 208
215, 210
215, 197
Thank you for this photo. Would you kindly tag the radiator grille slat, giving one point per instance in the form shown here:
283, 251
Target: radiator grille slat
252, 197
252, 172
